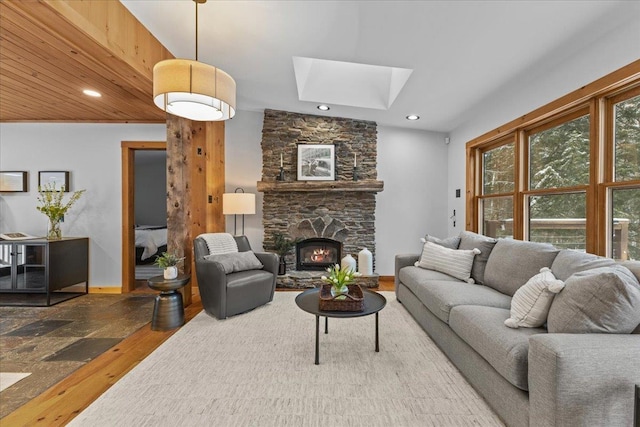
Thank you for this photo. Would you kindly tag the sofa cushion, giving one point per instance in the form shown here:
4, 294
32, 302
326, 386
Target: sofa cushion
440, 296
412, 276
505, 349
470, 240
569, 261
449, 242
513, 262
456, 263
530, 304
605, 299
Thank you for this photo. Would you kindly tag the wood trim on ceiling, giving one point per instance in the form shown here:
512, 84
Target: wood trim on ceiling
51, 50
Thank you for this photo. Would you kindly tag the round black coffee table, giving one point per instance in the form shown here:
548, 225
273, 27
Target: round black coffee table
168, 311
309, 301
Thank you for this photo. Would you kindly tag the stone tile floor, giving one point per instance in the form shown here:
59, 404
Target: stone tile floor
52, 342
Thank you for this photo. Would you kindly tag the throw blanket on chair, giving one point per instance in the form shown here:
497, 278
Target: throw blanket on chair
220, 243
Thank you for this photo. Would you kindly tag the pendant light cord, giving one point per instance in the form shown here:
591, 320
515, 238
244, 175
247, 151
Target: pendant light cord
196, 30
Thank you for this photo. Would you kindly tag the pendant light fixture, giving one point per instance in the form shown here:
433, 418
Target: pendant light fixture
192, 89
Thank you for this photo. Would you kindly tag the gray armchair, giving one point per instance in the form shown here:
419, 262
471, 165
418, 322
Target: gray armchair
234, 293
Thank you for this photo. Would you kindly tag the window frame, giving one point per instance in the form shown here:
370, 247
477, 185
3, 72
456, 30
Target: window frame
608, 184
510, 139
596, 99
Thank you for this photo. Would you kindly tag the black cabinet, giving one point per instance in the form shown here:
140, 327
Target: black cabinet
43, 272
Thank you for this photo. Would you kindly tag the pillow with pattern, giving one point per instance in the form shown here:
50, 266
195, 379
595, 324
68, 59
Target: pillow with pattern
531, 303
455, 263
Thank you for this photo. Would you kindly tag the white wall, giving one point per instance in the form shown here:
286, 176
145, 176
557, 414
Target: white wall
413, 166
411, 163
91, 152
558, 75
243, 168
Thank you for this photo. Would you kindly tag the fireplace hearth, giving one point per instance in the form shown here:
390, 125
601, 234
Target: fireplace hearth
317, 253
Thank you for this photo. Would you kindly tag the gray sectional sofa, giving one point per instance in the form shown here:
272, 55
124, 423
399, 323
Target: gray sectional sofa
531, 376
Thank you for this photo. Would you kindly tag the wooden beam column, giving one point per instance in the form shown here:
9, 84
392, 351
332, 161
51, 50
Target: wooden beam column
195, 183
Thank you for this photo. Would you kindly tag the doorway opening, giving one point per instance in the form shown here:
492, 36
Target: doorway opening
144, 211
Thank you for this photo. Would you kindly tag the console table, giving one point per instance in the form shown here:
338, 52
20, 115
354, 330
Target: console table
38, 271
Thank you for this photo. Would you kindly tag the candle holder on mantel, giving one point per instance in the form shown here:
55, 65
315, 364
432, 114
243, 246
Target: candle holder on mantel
280, 176
355, 173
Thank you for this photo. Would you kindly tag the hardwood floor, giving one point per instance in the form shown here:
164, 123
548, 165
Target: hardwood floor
63, 401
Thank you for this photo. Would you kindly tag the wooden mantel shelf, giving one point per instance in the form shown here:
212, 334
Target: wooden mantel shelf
365, 186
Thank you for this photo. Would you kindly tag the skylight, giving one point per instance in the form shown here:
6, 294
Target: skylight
348, 83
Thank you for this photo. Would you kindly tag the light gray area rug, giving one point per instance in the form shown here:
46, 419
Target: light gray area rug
256, 369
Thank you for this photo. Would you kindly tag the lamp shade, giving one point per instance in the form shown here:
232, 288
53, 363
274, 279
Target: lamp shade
194, 90
238, 203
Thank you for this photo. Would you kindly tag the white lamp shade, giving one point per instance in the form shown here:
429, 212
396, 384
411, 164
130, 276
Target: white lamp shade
194, 90
238, 203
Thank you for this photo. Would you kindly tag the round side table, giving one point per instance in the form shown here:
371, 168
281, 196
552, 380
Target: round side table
168, 311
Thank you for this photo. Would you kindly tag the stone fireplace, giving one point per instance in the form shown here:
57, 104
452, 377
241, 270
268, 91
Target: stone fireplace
342, 210
317, 254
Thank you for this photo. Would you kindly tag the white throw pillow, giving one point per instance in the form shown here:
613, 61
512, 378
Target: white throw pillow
456, 263
530, 304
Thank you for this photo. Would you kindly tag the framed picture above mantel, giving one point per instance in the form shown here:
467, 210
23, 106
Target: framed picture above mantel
316, 162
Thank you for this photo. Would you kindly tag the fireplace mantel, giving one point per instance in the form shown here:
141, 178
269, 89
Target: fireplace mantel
364, 186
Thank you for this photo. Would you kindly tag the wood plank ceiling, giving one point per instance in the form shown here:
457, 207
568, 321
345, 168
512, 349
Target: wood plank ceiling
50, 50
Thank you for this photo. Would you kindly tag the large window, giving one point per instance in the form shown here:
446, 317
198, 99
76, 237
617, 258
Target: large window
627, 139
559, 159
559, 219
623, 184
498, 185
567, 173
497, 170
625, 223
559, 156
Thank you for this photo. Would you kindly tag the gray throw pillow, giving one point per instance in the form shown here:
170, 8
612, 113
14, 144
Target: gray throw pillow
470, 241
633, 266
570, 261
605, 299
513, 262
449, 242
237, 261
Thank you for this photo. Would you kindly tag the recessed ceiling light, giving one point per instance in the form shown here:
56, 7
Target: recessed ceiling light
323, 107
93, 93
413, 117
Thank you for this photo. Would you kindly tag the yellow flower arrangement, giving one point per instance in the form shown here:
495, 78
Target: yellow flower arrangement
51, 204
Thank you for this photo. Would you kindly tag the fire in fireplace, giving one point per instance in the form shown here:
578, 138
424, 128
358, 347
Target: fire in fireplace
317, 253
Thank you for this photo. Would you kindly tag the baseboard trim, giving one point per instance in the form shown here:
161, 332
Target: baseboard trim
105, 290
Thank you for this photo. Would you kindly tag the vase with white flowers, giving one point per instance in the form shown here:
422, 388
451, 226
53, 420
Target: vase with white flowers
52, 205
339, 278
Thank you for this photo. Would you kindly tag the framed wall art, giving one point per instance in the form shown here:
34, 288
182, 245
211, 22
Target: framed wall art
316, 162
13, 181
57, 179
